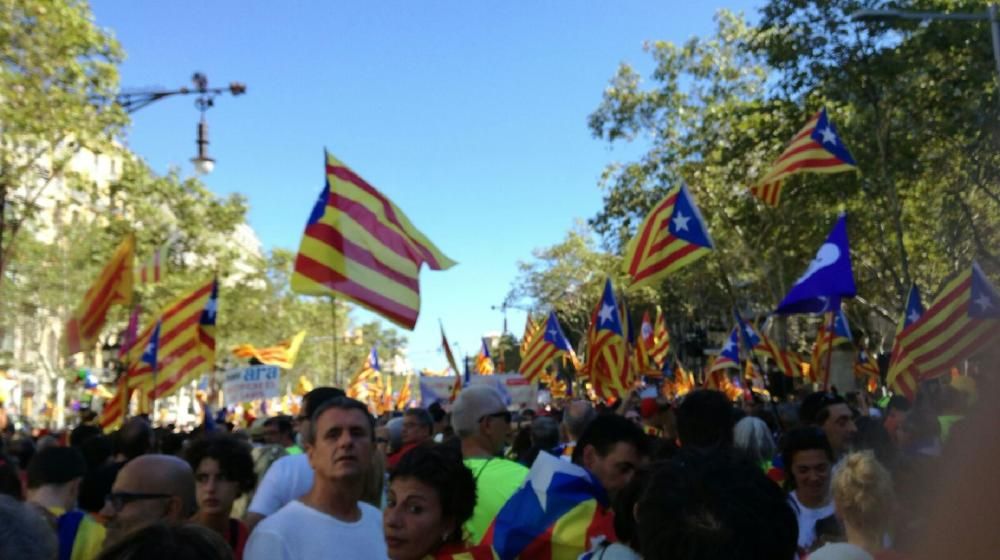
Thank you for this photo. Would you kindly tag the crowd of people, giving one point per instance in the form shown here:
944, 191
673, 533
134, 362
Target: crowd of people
821, 476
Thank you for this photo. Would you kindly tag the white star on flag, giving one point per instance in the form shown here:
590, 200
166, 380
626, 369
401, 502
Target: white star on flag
729, 346
984, 302
606, 313
828, 135
681, 221
913, 316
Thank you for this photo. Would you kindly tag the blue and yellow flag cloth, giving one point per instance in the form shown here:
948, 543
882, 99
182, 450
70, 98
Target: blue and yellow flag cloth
556, 515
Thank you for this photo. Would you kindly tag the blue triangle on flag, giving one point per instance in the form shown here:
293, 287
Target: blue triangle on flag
825, 134
608, 317
686, 222
914, 307
828, 279
984, 302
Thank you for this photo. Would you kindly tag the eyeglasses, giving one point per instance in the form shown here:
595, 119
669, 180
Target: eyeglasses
506, 415
118, 500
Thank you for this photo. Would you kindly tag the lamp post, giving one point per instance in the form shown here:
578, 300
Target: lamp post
134, 100
989, 15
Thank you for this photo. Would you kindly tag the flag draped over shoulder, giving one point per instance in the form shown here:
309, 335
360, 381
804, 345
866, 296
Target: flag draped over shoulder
282, 354
556, 515
608, 360
186, 346
543, 349
817, 148
484, 362
671, 237
359, 245
962, 321
113, 286
828, 279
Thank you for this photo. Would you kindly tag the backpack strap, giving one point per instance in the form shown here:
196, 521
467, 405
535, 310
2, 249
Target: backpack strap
66, 528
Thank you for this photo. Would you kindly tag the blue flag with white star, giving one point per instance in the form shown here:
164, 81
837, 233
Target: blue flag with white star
914, 307
750, 337
729, 355
152, 348
827, 281
984, 302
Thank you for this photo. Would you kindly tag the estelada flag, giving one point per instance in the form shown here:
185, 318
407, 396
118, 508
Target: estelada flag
817, 148
359, 245
113, 286
672, 236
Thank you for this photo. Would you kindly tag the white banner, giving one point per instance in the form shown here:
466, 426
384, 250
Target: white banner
250, 384
516, 390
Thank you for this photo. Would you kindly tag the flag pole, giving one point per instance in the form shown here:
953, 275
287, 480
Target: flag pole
336, 342
829, 350
741, 340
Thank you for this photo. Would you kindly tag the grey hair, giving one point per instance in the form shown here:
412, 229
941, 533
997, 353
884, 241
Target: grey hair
395, 429
752, 436
577, 416
24, 533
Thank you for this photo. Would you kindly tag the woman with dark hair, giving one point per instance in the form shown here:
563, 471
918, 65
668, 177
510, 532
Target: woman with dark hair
431, 495
808, 458
223, 470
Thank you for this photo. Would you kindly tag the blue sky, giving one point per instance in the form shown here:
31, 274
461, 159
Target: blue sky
470, 116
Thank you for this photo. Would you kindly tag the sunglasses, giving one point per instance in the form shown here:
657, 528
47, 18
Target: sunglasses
506, 415
118, 500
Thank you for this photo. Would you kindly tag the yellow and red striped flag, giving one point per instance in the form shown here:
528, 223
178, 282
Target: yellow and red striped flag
761, 345
358, 387
186, 346
816, 148
530, 329
113, 285
608, 359
358, 244
151, 271
671, 237
113, 412
543, 349
405, 395
484, 362
866, 368
963, 320
282, 354
661, 340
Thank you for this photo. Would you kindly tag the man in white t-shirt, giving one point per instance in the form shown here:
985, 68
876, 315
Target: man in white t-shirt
291, 476
330, 518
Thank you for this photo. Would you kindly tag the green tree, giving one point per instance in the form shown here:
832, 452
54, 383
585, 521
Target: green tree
916, 105
58, 76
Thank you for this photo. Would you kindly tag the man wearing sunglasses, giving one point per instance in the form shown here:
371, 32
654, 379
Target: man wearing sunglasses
482, 422
148, 489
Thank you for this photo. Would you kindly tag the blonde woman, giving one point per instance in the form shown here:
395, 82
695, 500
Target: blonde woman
863, 501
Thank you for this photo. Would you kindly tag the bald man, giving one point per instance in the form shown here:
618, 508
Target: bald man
148, 489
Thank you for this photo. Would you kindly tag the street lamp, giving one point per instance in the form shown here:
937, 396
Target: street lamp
990, 15
132, 101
